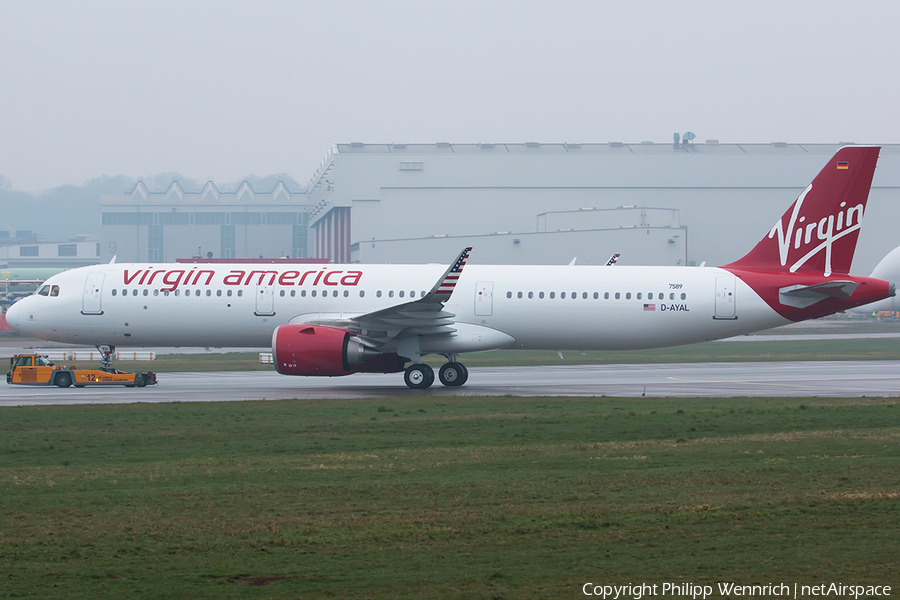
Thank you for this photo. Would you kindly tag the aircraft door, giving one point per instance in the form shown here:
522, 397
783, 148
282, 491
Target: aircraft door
484, 298
725, 299
93, 292
265, 301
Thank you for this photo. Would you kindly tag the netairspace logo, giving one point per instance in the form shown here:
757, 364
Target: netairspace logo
636, 591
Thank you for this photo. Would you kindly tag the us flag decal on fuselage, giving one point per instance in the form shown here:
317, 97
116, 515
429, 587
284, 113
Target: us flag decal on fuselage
650, 307
449, 283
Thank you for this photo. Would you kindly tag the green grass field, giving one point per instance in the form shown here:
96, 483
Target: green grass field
469, 498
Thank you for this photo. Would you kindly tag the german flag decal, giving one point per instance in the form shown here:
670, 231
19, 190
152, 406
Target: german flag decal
843, 165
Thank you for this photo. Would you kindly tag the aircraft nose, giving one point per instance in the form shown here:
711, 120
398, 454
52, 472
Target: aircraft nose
16, 316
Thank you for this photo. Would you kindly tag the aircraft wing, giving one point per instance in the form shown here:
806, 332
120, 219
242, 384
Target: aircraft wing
425, 316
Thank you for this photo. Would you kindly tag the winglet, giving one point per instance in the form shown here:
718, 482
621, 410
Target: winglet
445, 286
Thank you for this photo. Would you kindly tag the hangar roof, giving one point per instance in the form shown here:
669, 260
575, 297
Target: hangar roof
711, 147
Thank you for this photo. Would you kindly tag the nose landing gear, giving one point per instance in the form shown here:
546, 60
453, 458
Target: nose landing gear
105, 356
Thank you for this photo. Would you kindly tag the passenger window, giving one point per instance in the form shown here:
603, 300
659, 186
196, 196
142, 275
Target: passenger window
240, 293
672, 296
509, 294
43, 291
124, 292
684, 296
177, 292
378, 294
530, 295
346, 293
228, 293
391, 294
281, 293
639, 296
146, 292
197, 292
134, 292
165, 293
187, 293
293, 293
334, 293
218, 293
362, 294
552, 295
606, 295
574, 295
519, 295
303, 293
563, 296
401, 293
628, 295
156, 292
208, 293
584, 296
650, 296
541, 295
54, 291
618, 295
596, 295
313, 293
422, 293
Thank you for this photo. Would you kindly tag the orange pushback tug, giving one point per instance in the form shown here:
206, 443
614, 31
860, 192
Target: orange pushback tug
36, 369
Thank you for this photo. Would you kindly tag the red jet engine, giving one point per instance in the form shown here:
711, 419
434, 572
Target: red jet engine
327, 352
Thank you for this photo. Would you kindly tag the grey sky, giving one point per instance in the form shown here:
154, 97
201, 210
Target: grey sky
225, 89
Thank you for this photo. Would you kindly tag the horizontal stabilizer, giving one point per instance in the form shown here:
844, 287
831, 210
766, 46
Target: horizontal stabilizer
801, 296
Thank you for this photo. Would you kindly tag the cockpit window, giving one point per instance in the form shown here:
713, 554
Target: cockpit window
45, 290
54, 291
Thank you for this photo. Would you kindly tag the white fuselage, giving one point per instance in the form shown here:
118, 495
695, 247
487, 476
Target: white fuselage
540, 307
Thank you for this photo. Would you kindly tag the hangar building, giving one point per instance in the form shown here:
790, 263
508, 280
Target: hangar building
547, 203
144, 226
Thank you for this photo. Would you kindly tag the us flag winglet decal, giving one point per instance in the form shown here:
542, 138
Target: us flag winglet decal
449, 283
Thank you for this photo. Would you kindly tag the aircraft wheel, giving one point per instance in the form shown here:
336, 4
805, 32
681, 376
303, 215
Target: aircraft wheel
418, 376
63, 380
453, 374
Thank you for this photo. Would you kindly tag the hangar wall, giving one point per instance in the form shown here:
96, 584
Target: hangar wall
411, 200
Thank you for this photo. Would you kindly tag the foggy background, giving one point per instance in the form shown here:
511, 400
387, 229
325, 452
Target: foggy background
98, 93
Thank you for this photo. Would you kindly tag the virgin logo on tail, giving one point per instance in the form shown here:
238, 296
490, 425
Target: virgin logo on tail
818, 232
827, 230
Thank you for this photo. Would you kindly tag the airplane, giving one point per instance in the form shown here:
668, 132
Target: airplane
338, 319
887, 268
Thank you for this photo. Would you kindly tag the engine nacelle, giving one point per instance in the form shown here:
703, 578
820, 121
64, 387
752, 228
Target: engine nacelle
327, 352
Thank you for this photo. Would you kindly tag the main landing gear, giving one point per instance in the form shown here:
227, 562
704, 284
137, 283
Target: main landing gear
420, 376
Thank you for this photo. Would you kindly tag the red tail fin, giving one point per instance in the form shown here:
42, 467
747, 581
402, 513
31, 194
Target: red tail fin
818, 232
